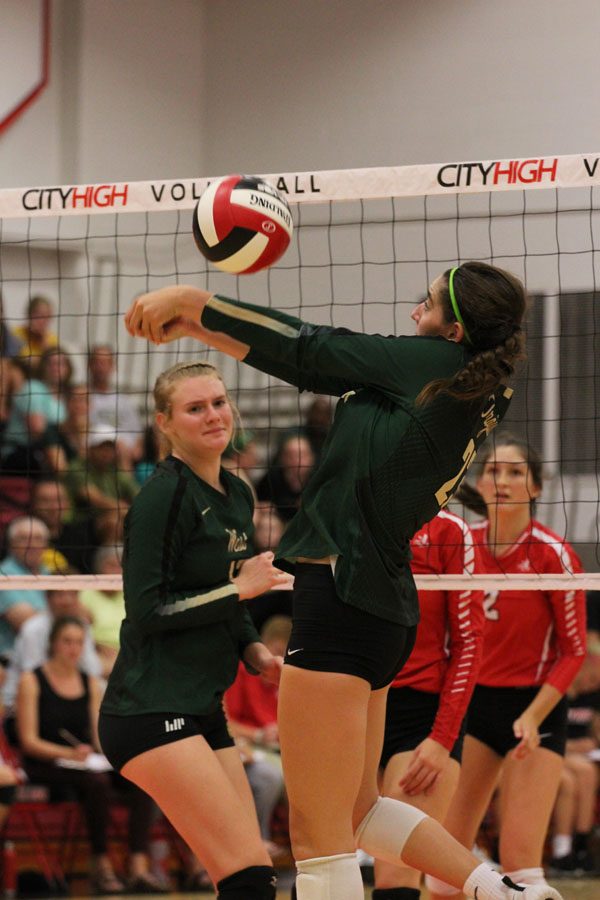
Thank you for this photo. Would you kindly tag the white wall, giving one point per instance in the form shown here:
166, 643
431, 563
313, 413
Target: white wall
348, 83
142, 86
172, 88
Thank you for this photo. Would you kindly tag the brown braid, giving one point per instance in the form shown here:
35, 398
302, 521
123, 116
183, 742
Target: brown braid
492, 303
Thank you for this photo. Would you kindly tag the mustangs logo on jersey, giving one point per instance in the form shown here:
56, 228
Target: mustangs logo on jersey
237, 542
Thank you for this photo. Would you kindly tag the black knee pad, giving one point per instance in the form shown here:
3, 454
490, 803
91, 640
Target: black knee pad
253, 883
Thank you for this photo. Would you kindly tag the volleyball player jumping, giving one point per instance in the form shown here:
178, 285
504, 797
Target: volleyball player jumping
412, 413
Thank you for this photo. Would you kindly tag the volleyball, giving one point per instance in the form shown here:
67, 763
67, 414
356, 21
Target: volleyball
242, 224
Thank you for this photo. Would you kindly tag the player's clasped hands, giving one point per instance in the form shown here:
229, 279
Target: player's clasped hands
166, 314
258, 575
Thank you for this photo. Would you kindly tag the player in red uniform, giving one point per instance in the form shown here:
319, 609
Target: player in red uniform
429, 697
534, 644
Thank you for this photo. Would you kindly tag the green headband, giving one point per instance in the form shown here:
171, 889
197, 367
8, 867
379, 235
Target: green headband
454, 303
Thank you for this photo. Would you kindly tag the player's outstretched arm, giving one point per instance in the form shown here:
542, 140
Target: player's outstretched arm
174, 312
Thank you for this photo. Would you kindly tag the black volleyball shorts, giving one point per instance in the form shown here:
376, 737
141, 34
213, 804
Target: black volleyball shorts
124, 737
410, 715
329, 635
493, 710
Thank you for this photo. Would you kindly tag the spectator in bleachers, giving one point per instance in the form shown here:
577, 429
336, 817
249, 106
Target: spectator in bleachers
11, 379
57, 715
575, 812
27, 540
105, 609
31, 645
112, 407
74, 429
31, 443
108, 528
317, 422
97, 484
71, 544
286, 476
593, 630
10, 773
9, 347
268, 529
9, 343
575, 808
56, 373
252, 702
36, 335
145, 466
241, 456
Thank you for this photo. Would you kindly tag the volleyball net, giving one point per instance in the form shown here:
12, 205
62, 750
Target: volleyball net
367, 243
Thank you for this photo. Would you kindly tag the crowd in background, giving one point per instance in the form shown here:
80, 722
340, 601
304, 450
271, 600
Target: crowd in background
73, 455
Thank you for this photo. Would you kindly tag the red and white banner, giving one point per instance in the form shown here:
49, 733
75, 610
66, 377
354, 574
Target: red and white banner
483, 176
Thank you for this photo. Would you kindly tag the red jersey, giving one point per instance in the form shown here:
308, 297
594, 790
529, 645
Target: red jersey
448, 648
251, 700
531, 637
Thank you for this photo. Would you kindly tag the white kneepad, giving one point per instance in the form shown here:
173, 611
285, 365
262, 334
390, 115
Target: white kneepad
435, 886
329, 878
386, 828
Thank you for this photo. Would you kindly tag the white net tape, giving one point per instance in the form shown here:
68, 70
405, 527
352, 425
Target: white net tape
485, 583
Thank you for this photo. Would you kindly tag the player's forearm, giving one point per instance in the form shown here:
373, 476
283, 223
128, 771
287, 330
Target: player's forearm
257, 656
268, 330
271, 341
223, 343
152, 611
544, 702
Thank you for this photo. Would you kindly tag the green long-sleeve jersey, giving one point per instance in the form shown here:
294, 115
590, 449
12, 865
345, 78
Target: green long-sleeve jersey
185, 627
388, 465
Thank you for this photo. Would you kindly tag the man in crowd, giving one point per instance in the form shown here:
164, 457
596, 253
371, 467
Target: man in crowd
109, 407
72, 544
97, 484
27, 540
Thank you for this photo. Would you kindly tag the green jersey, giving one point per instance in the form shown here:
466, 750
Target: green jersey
185, 627
388, 465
